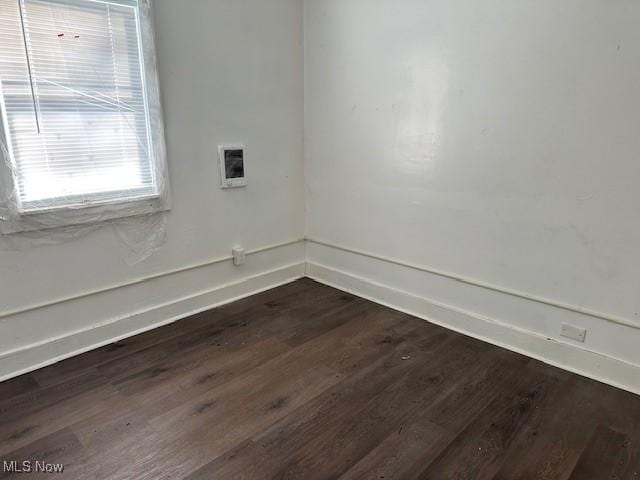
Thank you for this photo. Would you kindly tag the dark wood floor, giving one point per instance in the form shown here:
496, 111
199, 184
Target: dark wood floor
308, 382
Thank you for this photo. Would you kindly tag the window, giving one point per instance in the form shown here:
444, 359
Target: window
77, 90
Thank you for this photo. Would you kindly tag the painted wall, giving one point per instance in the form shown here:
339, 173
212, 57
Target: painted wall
230, 72
496, 140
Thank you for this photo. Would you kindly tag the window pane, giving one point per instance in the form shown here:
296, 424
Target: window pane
81, 134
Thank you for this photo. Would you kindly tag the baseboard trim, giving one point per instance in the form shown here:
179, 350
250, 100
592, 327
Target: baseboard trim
568, 357
280, 267
480, 284
39, 355
148, 278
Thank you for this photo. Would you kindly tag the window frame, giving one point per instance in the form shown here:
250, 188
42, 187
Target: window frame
15, 220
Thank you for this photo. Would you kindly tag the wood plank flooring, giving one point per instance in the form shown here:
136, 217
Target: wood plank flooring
308, 382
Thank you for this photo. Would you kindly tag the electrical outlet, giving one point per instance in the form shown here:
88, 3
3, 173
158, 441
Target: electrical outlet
239, 256
574, 333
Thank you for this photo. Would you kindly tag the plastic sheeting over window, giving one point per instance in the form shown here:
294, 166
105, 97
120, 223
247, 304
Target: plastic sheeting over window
82, 133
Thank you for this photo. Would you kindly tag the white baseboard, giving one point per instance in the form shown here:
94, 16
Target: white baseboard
590, 364
121, 311
118, 313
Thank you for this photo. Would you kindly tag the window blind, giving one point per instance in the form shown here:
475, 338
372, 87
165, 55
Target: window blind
74, 105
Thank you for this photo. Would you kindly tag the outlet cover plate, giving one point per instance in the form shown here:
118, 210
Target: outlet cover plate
574, 333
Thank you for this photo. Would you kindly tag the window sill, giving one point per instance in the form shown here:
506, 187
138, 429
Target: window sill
38, 220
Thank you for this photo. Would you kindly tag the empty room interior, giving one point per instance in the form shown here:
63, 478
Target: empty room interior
320, 239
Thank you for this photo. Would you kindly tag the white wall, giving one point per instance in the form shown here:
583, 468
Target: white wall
495, 140
230, 71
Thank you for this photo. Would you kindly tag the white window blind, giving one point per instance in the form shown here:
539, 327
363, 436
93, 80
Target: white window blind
74, 106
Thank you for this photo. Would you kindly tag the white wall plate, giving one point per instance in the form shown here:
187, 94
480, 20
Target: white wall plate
233, 172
